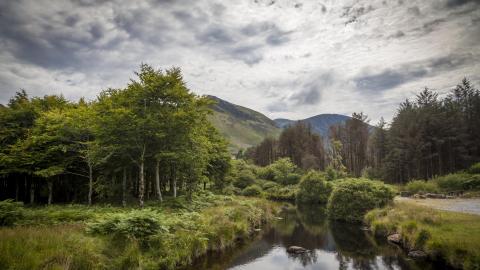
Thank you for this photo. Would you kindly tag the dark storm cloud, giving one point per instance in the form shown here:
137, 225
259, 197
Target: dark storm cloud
275, 36
387, 79
309, 96
391, 78
414, 11
353, 13
250, 55
457, 3
215, 35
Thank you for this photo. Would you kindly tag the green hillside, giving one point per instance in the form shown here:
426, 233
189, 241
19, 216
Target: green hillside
243, 127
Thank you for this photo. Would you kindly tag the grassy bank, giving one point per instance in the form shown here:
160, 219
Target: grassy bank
157, 237
454, 237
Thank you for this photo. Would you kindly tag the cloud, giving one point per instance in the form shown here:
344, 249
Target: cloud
391, 78
287, 59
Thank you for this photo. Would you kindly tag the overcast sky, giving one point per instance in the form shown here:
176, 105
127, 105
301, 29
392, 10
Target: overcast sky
284, 58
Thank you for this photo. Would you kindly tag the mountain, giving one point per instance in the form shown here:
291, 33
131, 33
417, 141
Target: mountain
320, 123
243, 127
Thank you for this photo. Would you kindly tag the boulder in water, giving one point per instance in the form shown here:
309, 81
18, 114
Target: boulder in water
395, 238
417, 254
296, 250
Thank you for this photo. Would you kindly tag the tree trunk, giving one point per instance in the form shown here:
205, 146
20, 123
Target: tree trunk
141, 184
90, 184
157, 181
32, 191
204, 185
50, 191
17, 187
25, 190
174, 178
124, 188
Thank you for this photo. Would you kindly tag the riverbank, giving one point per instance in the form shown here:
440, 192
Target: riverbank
442, 235
461, 205
157, 237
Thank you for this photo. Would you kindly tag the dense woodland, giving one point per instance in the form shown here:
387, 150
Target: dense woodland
428, 136
127, 144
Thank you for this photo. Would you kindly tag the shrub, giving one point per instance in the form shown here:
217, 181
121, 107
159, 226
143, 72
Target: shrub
474, 169
269, 185
10, 212
136, 223
452, 182
231, 190
313, 189
282, 171
282, 193
253, 190
420, 186
245, 178
352, 198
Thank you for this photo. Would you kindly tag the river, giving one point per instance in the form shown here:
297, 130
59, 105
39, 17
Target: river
331, 246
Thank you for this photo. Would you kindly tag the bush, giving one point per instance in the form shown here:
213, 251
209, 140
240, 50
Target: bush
420, 186
245, 178
137, 223
452, 182
282, 193
269, 185
253, 190
474, 169
313, 189
352, 198
281, 171
10, 212
231, 190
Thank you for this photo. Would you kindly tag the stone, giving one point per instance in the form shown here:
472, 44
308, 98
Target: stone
395, 238
417, 254
435, 196
296, 250
405, 194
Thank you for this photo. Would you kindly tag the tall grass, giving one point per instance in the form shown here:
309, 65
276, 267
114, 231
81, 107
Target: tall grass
158, 237
452, 236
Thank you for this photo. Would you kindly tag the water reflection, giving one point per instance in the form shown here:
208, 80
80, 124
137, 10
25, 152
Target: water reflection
331, 246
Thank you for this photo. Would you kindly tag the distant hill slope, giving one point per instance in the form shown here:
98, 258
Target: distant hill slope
320, 123
243, 127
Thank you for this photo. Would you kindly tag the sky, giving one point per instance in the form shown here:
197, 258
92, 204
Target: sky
284, 58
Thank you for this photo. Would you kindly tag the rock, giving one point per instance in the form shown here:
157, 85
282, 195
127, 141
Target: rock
417, 254
365, 228
419, 196
257, 229
395, 238
449, 197
405, 194
435, 196
279, 218
296, 250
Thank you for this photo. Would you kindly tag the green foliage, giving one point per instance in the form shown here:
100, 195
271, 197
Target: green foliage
10, 212
474, 169
253, 190
282, 193
136, 223
313, 189
245, 178
421, 186
352, 198
458, 181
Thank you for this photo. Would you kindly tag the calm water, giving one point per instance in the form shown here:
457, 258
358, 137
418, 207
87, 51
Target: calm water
331, 245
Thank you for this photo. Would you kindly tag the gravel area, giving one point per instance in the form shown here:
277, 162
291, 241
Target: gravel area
471, 206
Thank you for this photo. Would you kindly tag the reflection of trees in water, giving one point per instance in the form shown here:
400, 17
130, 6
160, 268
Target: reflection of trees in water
306, 258
354, 246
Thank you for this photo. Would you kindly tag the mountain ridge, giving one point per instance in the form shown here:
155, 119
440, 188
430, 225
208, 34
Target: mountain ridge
244, 127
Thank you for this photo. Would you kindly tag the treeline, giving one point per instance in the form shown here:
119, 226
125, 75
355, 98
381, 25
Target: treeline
428, 136
137, 142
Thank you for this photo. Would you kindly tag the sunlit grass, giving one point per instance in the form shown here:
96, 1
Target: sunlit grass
450, 235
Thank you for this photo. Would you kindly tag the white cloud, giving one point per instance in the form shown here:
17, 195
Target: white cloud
283, 58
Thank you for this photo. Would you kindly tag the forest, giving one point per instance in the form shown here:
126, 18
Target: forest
428, 136
127, 144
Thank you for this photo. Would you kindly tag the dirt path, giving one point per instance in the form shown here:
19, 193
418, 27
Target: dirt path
471, 206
